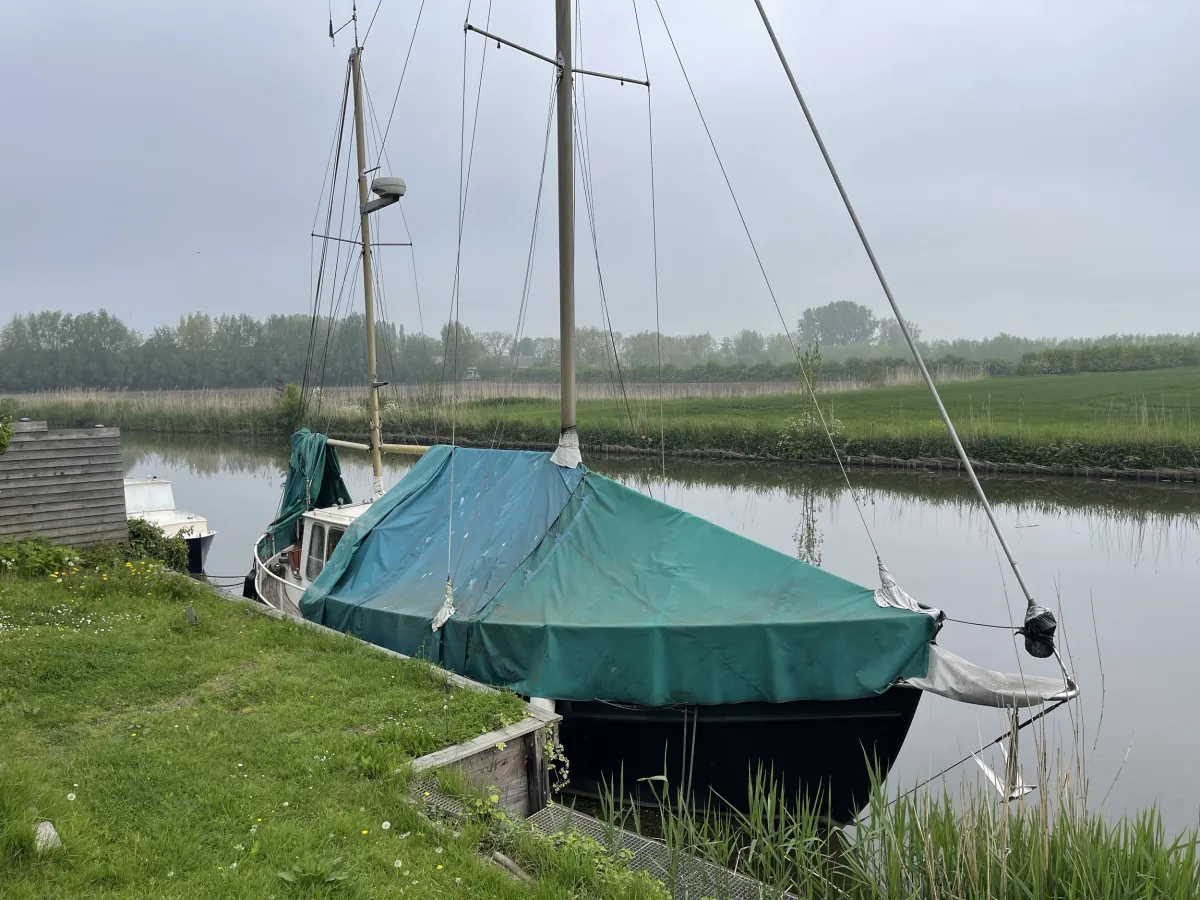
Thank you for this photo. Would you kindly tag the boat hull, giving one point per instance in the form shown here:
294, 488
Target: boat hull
825, 749
198, 547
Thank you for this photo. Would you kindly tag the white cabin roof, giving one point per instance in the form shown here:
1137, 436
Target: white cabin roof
148, 495
338, 515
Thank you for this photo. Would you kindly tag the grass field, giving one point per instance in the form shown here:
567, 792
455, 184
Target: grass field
182, 761
1120, 419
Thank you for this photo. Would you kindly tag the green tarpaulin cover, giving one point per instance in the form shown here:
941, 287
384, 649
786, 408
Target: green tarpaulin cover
567, 584
314, 479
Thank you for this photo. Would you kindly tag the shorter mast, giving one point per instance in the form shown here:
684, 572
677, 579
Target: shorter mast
376, 439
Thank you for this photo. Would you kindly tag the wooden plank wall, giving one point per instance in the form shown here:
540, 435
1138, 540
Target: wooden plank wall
67, 485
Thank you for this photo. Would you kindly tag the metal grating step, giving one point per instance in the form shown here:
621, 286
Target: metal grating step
694, 878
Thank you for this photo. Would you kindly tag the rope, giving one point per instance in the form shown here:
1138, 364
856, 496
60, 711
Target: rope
770, 290
662, 428
981, 624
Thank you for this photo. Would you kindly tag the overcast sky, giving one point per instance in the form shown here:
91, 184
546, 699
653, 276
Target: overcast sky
1028, 167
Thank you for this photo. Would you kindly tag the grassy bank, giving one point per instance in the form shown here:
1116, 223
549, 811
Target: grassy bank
1137, 420
238, 756
246, 757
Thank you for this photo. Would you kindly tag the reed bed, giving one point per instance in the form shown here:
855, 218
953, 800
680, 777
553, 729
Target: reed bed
967, 846
1135, 420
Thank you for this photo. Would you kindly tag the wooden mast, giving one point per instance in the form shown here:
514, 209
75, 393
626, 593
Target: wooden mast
567, 453
376, 439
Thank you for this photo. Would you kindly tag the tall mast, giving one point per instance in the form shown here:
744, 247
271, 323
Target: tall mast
567, 453
368, 280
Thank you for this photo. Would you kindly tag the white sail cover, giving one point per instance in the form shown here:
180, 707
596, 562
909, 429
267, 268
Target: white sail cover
891, 594
953, 677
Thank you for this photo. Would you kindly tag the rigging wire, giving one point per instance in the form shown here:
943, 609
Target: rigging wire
371, 24
416, 285
382, 155
465, 161
617, 379
770, 289
662, 427
887, 290
464, 183
498, 432
584, 160
379, 273
331, 180
527, 283
1021, 725
335, 304
403, 70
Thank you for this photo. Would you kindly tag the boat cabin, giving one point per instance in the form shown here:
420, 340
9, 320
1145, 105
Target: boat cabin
282, 580
322, 529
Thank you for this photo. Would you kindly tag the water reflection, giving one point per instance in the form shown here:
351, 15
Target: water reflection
1117, 561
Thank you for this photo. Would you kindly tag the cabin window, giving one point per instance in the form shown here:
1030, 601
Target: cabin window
335, 535
316, 551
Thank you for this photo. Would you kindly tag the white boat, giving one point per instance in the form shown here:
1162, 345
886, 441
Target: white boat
153, 500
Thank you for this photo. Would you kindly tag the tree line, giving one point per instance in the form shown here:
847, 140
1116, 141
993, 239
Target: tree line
52, 349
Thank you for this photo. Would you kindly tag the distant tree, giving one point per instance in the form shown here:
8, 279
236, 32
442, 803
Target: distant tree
641, 349
495, 343
52, 349
461, 348
691, 349
890, 334
749, 346
840, 322
594, 348
545, 350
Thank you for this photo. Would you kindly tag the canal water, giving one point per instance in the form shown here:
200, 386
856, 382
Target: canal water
1118, 562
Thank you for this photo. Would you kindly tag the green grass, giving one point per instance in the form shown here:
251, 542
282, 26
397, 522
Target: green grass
1136, 420
181, 760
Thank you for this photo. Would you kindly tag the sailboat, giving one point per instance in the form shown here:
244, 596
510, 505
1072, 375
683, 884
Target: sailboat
670, 646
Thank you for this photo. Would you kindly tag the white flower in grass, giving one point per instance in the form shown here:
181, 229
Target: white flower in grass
398, 864
71, 796
285, 803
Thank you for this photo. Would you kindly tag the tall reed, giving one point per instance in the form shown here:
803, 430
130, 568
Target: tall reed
926, 845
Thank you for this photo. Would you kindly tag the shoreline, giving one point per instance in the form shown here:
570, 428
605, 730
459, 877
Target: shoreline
940, 464
1066, 426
